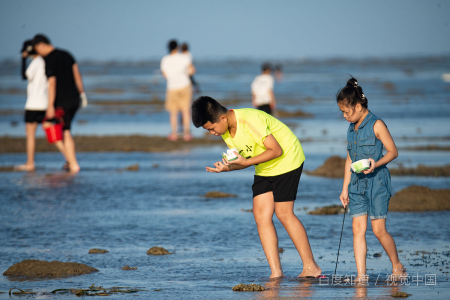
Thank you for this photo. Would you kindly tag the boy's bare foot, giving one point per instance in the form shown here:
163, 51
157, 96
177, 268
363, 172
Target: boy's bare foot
25, 167
74, 170
276, 275
312, 270
358, 280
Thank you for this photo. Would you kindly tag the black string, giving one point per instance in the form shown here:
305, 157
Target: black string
342, 230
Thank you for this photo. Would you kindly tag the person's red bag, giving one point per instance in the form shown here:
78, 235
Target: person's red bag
54, 132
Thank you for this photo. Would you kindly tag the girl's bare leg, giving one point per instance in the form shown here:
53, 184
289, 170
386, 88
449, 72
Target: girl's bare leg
386, 240
298, 235
69, 150
30, 130
359, 243
263, 209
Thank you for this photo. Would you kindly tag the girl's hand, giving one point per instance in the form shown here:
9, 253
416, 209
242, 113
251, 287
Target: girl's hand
241, 161
219, 167
344, 197
373, 166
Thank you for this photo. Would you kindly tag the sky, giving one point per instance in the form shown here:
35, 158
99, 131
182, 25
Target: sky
283, 29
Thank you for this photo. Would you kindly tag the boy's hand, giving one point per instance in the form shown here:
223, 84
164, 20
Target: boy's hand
241, 161
373, 166
344, 198
219, 167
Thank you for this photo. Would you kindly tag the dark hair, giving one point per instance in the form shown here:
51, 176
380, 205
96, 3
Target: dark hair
172, 45
352, 94
28, 47
184, 47
266, 66
40, 38
206, 109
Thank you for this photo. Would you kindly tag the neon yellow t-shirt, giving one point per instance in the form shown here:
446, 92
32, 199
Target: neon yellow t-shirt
252, 128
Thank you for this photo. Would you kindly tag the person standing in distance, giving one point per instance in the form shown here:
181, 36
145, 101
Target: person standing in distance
65, 91
263, 97
185, 51
37, 100
177, 68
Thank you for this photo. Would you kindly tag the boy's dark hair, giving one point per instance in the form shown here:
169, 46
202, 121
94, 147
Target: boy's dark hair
28, 47
184, 47
266, 66
352, 94
172, 45
206, 109
40, 38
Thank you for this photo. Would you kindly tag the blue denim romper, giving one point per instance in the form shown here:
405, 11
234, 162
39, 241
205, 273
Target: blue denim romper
368, 194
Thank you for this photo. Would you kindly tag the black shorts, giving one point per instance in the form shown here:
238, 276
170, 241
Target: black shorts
69, 114
284, 186
32, 116
265, 108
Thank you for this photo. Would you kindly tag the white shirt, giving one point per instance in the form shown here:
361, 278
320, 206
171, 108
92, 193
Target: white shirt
37, 89
261, 87
176, 69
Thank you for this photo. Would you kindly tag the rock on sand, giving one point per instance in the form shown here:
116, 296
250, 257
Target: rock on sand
97, 251
248, 287
328, 210
157, 251
33, 268
333, 167
419, 198
217, 194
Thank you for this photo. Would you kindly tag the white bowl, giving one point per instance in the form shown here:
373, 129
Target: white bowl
229, 155
360, 165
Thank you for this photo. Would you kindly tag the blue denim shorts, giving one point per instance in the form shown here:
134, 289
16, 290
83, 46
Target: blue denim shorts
370, 194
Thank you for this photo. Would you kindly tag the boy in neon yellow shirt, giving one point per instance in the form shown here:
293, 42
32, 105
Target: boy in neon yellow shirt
278, 157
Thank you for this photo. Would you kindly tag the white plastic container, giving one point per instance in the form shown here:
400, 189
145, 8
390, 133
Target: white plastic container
360, 165
229, 155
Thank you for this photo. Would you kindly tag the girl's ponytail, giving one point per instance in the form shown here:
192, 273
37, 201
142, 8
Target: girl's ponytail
353, 94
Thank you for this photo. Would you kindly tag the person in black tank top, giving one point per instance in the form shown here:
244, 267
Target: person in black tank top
65, 91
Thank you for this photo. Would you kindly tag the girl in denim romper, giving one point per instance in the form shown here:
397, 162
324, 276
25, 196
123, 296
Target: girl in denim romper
367, 193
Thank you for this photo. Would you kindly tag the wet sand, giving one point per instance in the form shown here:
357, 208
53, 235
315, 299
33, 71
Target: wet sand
110, 144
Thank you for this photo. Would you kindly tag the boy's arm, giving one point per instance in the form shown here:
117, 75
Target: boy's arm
220, 167
191, 70
50, 113
78, 78
383, 134
273, 151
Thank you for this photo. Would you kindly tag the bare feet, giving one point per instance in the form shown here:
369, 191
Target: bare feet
25, 167
358, 280
187, 137
172, 137
312, 270
74, 170
277, 275
398, 272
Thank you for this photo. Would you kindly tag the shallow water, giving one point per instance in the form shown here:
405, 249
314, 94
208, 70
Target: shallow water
408, 94
49, 215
